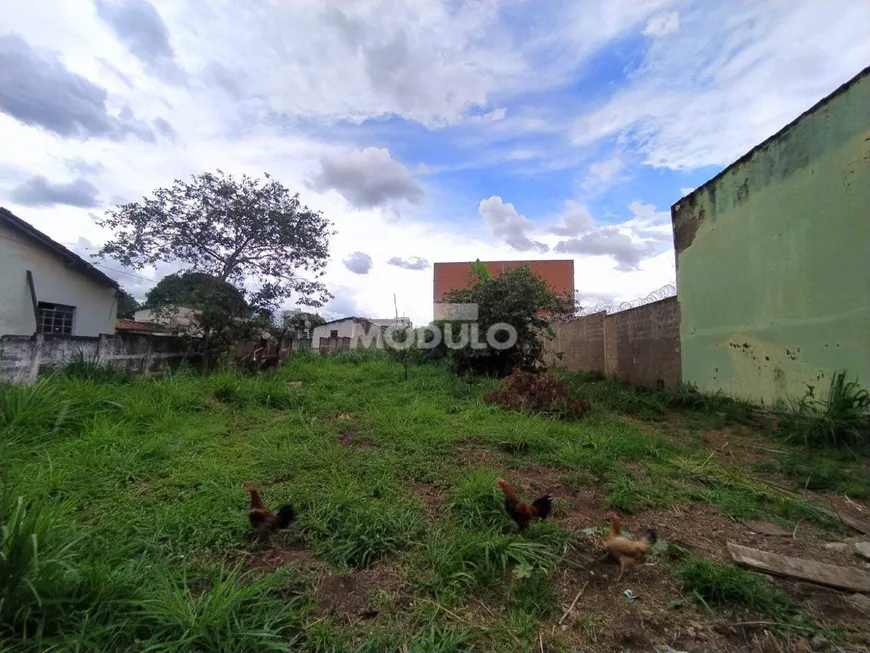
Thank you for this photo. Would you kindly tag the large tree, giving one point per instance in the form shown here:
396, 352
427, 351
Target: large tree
249, 232
215, 302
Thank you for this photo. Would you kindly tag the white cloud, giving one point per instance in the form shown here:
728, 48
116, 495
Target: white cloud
358, 262
730, 77
574, 220
508, 225
367, 178
663, 24
603, 174
686, 191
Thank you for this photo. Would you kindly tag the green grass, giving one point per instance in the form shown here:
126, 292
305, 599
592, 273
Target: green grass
131, 525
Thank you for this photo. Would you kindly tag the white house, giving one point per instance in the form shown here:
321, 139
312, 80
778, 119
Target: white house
358, 329
46, 288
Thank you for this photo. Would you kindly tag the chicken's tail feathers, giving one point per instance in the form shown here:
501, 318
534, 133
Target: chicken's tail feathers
543, 506
283, 517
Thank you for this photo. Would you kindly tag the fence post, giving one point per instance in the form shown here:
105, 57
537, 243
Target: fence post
101, 348
35, 355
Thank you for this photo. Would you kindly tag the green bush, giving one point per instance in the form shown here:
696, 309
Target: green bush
841, 419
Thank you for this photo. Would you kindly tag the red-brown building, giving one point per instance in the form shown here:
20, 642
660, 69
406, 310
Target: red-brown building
558, 275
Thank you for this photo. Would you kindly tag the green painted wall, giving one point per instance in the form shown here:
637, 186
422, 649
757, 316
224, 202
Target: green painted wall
773, 258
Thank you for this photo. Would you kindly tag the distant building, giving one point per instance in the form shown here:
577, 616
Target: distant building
46, 288
357, 329
557, 274
402, 322
171, 318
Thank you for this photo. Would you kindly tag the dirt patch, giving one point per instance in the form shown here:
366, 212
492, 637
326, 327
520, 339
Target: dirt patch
432, 497
351, 438
604, 619
354, 596
283, 552
475, 455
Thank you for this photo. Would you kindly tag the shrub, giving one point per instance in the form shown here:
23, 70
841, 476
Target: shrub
841, 419
535, 394
90, 369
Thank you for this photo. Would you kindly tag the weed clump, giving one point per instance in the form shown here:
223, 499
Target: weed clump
536, 394
841, 419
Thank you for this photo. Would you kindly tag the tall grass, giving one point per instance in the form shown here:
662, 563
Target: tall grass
841, 418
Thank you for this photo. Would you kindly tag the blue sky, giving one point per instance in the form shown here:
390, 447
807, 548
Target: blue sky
426, 131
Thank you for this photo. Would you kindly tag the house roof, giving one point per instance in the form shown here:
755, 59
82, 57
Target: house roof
353, 318
137, 325
72, 259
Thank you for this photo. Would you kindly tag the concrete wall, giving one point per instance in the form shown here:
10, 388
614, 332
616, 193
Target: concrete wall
640, 345
23, 358
773, 258
96, 305
581, 343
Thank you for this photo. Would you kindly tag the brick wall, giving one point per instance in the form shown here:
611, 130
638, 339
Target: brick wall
558, 275
640, 345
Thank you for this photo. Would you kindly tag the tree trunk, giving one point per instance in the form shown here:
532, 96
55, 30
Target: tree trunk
206, 349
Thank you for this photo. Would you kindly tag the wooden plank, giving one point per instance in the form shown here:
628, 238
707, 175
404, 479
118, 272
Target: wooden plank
861, 525
33, 299
844, 578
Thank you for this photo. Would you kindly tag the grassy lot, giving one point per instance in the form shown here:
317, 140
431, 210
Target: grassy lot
135, 492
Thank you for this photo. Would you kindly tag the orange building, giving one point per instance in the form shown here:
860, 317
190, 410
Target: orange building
558, 275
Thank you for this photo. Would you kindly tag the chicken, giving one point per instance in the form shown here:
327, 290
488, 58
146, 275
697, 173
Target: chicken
263, 520
523, 513
626, 551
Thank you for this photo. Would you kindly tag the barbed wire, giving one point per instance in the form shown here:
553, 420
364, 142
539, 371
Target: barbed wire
670, 290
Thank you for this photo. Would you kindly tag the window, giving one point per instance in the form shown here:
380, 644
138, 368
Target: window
55, 318
333, 334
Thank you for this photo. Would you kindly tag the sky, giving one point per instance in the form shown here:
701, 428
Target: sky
425, 130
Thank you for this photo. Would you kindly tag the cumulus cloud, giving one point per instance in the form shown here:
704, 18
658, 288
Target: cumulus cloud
358, 263
368, 178
412, 263
38, 89
575, 220
138, 25
39, 191
607, 241
509, 225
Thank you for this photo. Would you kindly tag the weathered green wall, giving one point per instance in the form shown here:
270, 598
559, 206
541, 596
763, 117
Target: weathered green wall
773, 258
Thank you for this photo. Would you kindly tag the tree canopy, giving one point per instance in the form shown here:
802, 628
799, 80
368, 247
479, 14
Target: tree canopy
518, 298
251, 233
127, 305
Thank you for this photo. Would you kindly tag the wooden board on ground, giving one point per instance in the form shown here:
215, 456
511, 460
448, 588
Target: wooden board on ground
765, 528
844, 578
861, 525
